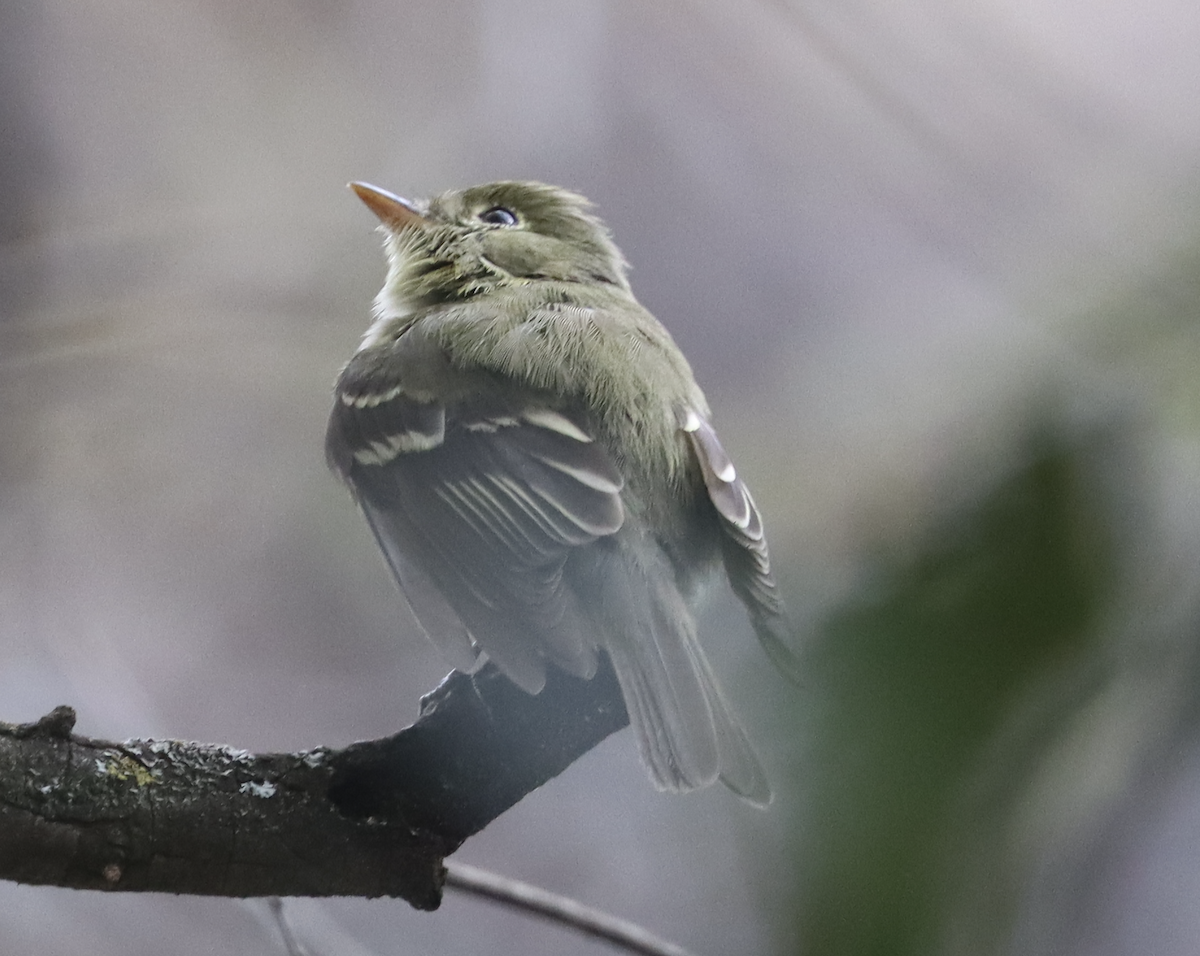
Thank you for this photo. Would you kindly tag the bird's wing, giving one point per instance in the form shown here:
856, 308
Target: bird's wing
744, 545
488, 505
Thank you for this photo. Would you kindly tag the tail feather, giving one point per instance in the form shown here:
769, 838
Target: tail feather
741, 770
679, 751
686, 733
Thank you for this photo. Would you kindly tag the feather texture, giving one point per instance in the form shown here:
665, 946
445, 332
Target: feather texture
491, 513
747, 562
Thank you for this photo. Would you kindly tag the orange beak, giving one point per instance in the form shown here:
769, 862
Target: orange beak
393, 212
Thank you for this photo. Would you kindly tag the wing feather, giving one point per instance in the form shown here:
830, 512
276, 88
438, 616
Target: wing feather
490, 505
747, 561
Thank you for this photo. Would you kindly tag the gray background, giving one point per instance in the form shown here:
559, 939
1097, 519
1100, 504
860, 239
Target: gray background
880, 231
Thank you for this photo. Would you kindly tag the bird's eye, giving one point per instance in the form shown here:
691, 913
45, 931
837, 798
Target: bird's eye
498, 216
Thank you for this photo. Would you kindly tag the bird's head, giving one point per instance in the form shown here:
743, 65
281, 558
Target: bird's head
468, 242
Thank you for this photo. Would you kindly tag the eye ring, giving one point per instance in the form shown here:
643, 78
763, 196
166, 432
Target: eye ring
498, 216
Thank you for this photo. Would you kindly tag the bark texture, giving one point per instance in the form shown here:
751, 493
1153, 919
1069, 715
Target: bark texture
373, 819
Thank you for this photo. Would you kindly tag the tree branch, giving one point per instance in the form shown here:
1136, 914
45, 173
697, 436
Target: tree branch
374, 819
559, 909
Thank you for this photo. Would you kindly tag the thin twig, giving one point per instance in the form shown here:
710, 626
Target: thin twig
560, 909
292, 945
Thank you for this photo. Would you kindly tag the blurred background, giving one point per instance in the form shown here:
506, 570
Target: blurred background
937, 266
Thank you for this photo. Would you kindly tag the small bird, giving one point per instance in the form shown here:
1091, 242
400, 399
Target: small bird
538, 466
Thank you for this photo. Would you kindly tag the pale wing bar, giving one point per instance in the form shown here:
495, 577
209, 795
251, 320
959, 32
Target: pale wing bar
490, 506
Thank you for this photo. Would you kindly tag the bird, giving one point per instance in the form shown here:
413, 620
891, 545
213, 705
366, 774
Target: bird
540, 470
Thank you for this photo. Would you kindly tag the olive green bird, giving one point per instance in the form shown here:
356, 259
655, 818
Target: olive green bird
538, 466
